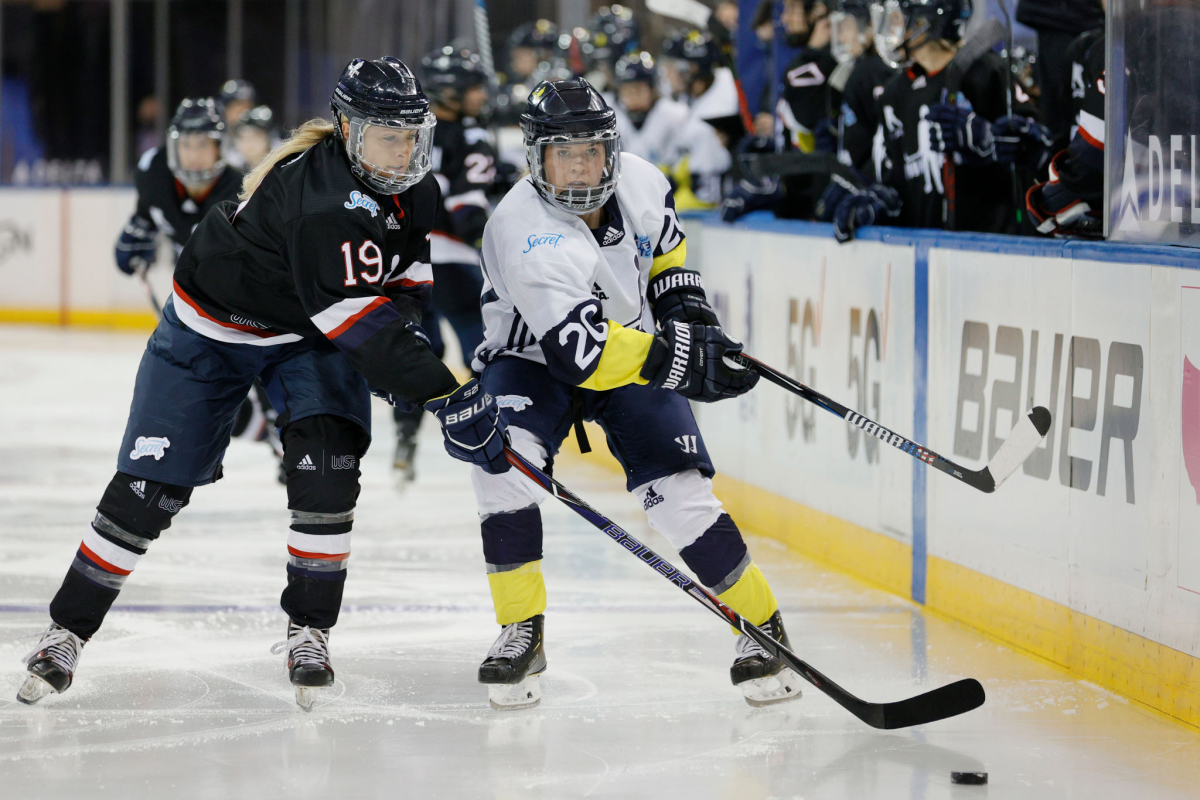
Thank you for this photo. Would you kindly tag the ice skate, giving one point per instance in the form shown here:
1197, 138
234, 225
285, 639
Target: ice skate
513, 667
405, 459
763, 678
51, 664
308, 663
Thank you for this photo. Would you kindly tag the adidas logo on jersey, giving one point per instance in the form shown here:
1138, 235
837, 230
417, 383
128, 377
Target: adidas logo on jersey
653, 498
598, 293
612, 236
393, 224
306, 463
139, 488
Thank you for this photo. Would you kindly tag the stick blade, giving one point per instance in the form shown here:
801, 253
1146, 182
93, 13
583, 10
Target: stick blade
1022, 440
692, 12
944, 702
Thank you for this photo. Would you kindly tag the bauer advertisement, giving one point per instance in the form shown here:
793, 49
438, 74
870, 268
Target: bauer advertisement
839, 319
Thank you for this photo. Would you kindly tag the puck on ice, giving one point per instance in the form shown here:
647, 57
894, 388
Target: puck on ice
969, 778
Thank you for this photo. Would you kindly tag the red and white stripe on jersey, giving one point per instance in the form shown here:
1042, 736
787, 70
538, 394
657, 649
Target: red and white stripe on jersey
417, 274
1091, 128
334, 547
342, 315
107, 555
191, 314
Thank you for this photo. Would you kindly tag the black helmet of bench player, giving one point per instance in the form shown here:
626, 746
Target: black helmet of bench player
195, 121
383, 100
447, 74
693, 48
932, 20
635, 68
568, 125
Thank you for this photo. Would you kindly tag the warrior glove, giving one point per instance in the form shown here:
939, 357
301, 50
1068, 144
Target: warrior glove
690, 359
471, 427
677, 294
137, 246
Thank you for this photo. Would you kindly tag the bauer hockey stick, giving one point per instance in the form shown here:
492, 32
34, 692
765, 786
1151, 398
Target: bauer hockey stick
1022, 440
947, 701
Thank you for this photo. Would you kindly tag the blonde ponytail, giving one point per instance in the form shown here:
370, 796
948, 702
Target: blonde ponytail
308, 134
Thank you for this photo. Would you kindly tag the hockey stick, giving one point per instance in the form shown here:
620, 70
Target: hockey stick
793, 162
1022, 440
483, 41
700, 16
142, 269
947, 701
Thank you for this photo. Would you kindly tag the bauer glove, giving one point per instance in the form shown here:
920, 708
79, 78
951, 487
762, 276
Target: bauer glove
471, 427
137, 246
690, 359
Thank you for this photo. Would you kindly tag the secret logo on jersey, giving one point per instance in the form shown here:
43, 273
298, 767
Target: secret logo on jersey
514, 401
149, 446
360, 200
551, 240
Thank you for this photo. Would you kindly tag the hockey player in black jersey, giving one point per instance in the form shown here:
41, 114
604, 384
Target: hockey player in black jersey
853, 46
315, 283
464, 164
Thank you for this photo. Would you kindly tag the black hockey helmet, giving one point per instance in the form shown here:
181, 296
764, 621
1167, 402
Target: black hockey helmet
850, 29
560, 117
926, 20
447, 73
258, 117
539, 35
637, 67
695, 48
383, 93
196, 117
236, 89
614, 33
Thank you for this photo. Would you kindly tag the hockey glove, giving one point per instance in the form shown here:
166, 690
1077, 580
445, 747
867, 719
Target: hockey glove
955, 129
471, 427
678, 294
864, 207
690, 359
1022, 141
137, 246
838, 190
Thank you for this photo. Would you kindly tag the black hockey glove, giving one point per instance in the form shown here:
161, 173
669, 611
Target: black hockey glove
690, 359
471, 427
1022, 141
137, 246
864, 207
678, 294
955, 129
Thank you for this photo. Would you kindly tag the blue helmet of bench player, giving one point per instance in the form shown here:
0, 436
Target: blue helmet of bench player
561, 118
447, 74
383, 94
195, 119
636, 68
850, 29
929, 20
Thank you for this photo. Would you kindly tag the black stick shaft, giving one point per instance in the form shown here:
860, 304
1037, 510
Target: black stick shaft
947, 701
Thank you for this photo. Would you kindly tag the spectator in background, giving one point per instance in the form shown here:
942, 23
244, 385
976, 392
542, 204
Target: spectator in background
1058, 23
147, 125
727, 14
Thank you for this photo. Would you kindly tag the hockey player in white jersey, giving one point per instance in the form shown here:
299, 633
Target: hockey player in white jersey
648, 122
590, 314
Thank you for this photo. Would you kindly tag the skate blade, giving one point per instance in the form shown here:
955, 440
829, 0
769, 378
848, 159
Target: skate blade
777, 688
33, 690
514, 696
306, 696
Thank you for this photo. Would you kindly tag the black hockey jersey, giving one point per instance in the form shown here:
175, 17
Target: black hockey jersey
165, 203
860, 113
1082, 171
465, 164
807, 109
314, 253
984, 194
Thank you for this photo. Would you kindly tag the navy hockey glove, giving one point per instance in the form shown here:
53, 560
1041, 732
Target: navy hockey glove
1022, 141
690, 359
678, 294
864, 207
471, 427
955, 129
838, 190
137, 246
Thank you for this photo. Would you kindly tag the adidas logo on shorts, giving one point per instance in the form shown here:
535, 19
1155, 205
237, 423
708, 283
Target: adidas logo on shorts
306, 463
139, 488
653, 498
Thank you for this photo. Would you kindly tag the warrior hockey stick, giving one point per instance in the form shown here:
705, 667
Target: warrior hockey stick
948, 701
1020, 444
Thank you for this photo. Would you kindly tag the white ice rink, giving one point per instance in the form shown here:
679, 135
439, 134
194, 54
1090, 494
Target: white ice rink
178, 696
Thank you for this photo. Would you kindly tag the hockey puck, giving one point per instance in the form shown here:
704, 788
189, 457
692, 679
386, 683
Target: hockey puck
969, 778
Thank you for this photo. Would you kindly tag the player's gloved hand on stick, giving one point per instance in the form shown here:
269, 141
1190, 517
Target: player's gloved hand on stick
864, 207
690, 359
471, 427
137, 246
955, 129
1022, 141
677, 294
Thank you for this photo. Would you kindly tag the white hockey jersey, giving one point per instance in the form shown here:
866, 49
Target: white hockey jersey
708, 158
655, 141
557, 293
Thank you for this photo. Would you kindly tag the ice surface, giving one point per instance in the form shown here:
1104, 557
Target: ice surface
178, 696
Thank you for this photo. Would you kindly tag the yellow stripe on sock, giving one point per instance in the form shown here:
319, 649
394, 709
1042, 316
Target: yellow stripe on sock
518, 594
751, 596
